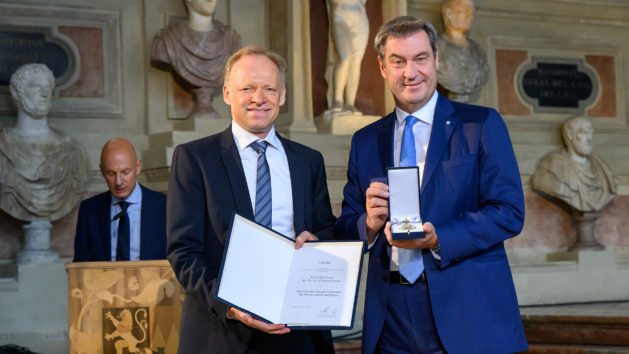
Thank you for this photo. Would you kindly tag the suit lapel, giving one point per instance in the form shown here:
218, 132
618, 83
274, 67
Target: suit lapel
106, 215
146, 224
235, 173
297, 176
442, 128
385, 142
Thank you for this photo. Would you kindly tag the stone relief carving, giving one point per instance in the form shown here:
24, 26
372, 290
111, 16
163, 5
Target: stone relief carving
463, 68
197, 51
576, 178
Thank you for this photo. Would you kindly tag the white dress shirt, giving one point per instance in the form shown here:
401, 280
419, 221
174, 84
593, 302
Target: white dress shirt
421, 131
281, 188
134, 210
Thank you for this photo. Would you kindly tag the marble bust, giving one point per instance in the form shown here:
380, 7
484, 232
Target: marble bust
463, 68
43, 171
573, 174
349, 27
197, 50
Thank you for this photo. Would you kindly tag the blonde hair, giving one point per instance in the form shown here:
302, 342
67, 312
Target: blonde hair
277, 59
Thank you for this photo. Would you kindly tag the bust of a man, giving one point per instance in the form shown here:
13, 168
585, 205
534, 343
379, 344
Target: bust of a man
573, 174
197, 51
43, 171
463, 68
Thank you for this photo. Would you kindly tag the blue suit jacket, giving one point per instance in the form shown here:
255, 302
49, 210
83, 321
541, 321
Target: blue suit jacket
471, 191
92, 241
207, 184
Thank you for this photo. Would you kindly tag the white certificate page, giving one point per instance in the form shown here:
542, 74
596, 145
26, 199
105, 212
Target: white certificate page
263, 274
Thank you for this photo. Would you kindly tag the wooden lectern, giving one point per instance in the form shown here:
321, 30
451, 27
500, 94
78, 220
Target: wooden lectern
123, 307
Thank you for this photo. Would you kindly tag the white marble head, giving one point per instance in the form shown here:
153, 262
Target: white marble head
31, 89
200, 13
202, 7
577, 136
458, 14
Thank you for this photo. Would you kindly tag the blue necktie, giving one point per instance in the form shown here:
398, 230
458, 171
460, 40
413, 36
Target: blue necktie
410, 261
263, 211
122, 247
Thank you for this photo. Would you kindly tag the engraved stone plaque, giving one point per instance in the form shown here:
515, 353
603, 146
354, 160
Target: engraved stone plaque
558, 85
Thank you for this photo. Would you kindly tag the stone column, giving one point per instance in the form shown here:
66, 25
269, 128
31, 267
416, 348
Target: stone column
300, 75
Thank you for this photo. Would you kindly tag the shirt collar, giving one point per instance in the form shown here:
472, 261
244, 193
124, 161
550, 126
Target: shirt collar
133, 198
244, 138
426, 113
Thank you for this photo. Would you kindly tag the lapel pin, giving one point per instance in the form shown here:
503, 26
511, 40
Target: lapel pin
447, 122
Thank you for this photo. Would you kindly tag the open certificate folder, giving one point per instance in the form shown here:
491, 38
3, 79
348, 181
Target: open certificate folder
313, 287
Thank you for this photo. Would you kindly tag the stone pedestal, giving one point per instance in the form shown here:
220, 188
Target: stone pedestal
161, 145
203, 104
347, 123
37, 244
584, 225
583, 276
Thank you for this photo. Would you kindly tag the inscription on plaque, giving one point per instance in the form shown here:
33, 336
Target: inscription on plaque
19, 48
558, 85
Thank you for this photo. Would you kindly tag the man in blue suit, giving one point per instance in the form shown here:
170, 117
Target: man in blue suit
251, 170
106, 232
451, 291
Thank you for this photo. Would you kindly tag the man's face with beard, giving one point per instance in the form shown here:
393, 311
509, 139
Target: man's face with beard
36, 94
581, 138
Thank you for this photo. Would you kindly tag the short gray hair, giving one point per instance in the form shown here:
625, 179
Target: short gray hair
404, 26
18, 78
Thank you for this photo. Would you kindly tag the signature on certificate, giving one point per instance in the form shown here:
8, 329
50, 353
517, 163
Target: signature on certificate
328, 311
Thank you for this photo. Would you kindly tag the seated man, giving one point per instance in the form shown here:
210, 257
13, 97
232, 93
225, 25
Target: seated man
126, 223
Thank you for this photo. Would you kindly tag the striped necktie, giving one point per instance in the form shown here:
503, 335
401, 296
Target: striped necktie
263, 207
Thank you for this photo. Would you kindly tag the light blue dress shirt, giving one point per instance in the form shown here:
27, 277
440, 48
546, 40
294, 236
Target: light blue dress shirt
421, 131
281, 188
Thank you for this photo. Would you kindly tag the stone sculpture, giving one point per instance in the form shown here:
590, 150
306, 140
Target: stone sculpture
197, 50
349, 28
463, 68
43, 171
577, 178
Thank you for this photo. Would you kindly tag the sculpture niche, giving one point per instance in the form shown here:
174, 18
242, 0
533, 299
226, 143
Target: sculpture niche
463, 68
43, 171
197, 51
349, 27
577, 180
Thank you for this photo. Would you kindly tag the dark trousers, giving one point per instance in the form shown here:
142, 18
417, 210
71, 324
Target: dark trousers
409, 326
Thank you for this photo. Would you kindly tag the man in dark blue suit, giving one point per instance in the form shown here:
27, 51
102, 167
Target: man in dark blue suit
106, 232
251, 170
451, 291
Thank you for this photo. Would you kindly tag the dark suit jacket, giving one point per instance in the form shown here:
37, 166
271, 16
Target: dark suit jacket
207, 184
92, 241
471, 191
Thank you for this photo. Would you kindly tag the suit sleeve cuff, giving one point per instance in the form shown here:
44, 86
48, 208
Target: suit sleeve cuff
361, 225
